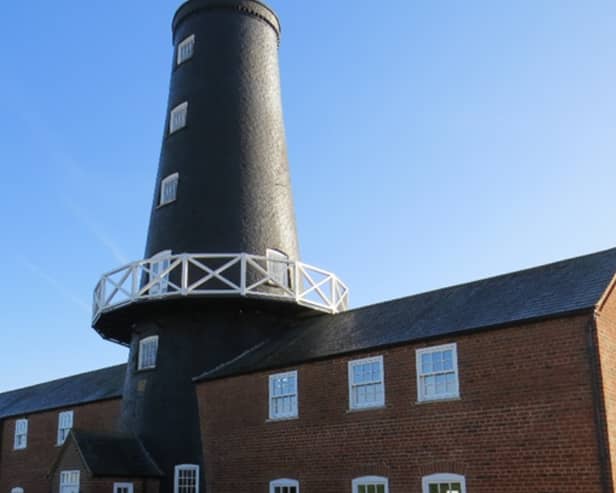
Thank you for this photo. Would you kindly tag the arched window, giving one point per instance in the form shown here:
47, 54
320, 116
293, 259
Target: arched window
371, 484
186, 479
284, 486
444, 483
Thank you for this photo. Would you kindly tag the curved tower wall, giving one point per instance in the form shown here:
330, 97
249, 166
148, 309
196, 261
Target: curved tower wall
233, 195
234, 190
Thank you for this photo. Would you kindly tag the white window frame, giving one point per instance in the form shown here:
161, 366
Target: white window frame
69, 479
174, 177
21, 431
160, 263
180, 109
185, 467
421, 395
278, 267
354, 386
370, 480
187, 41
284, 483
294, 413
64, 417
141, 364
440, 478
118, 486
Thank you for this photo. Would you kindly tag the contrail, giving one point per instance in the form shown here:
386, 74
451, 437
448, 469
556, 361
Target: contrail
52, 281
97, 231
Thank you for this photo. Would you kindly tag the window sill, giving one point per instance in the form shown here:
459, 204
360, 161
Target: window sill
285, 418
435, 401
364, 409
160, 206
145, 370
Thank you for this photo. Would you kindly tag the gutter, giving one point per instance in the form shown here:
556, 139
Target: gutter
600, 418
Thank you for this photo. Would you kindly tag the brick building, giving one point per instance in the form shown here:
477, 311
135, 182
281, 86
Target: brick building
247, 372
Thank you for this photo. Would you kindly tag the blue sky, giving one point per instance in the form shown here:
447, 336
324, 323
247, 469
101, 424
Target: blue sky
430, 143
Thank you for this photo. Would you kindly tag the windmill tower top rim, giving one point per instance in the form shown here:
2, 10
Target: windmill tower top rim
254, 8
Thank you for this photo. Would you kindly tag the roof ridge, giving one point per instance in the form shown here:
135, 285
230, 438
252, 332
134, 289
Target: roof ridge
480, 280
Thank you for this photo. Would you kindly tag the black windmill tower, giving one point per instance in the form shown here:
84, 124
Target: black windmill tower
221, 271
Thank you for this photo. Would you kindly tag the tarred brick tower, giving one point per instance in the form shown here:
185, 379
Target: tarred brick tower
221, 271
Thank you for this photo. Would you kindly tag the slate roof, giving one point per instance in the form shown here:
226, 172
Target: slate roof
97, 385
547, 291
115, 455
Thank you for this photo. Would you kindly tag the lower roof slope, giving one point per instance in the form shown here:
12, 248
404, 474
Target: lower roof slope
97, 385
115, 455
551, 290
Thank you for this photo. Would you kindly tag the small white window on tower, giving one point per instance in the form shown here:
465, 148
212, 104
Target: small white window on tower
437, 373
283, 395
177, 119
21, 434
159, 277
186, 49
278, 267
366, 383
65, 423
186, 479
284, 486
17, 490
69, 482
148, 349
169, 189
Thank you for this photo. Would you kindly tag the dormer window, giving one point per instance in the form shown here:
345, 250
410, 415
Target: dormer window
278, 267
169, 189
148, 349
186, 49
177, 119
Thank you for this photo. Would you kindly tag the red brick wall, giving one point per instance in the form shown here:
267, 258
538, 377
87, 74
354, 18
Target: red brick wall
524, 422
28, 468
606, 337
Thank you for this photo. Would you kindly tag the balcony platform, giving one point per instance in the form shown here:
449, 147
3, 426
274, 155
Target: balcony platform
190, 275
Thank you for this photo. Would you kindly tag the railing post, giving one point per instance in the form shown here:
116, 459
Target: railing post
298, 280
184, 273
243, 266
134, 281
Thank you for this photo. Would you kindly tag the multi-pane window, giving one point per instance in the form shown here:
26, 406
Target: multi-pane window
283, 395
169, 189
159, 277
21, 434
186, 479
65, 423
371, 484
278, 267
284, 486
148, 349
69, 482
437, 373
186, 49
444, 483
177, 119
366, 383
122, 487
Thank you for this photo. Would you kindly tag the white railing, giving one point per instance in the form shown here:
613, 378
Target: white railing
240, 274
